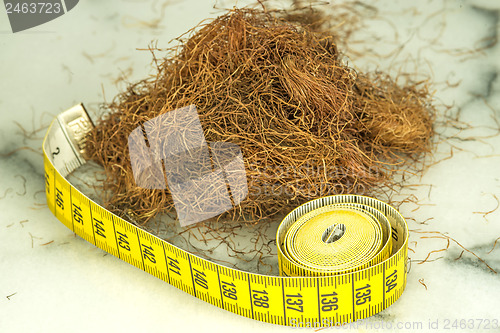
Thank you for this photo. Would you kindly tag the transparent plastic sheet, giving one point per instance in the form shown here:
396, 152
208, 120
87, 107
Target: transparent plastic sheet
204, 179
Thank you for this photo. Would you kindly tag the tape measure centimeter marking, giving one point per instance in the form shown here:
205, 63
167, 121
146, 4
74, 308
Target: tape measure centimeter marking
331, 300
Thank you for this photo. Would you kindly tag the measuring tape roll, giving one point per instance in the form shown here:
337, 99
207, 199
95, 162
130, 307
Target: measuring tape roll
342, 258
337, 238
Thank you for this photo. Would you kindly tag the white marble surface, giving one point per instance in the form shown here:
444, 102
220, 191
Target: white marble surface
52, 281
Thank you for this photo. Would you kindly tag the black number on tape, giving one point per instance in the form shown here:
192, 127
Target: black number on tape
294, 302
390, 281
260, 299
59, 199
173, 265
99, 228
363, 295
329, 302
229, 290
147, 253
394, 234
199, 278
56, 152
77, 214
123, 241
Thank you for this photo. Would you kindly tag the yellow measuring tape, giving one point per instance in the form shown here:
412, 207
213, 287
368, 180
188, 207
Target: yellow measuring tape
342, 258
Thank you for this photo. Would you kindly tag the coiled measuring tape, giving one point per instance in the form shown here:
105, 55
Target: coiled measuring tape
342, 258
